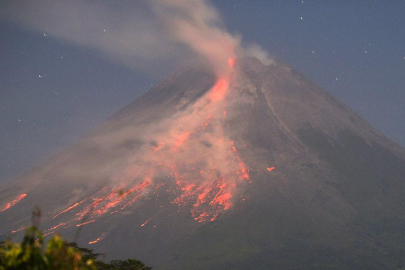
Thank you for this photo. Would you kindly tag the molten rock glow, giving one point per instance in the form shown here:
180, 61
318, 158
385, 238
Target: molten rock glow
14, 202
190, 160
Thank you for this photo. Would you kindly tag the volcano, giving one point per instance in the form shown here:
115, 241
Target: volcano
262, 169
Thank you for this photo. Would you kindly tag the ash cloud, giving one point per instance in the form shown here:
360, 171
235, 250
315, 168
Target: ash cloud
197, 24
149, 36
125, 32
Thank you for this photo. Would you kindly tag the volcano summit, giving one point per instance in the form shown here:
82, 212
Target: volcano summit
258, 169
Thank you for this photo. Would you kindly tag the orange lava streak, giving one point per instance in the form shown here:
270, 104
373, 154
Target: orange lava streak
48, 233
20, 229
57, 226
160, 185
202, 196
146, 222
219, 90
69, 208
95, 241
271, 168
14, 202
221, 198
186, 193
203, 217
138, 190
210, 197
84, 223
244, 170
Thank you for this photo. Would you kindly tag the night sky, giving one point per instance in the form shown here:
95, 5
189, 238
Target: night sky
54, 91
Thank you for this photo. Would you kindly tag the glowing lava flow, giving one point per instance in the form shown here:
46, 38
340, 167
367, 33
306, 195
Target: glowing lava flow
271, 168
55, 227
219, 90
95, 241
211, 192
244, 171
20, 229
85, 223
69, 208
204, 181
14, 202
146, 222
101, 203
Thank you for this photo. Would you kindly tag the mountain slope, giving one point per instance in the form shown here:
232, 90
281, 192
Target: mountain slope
274, 174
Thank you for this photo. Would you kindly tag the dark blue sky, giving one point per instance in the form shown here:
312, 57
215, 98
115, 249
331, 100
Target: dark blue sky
353, 49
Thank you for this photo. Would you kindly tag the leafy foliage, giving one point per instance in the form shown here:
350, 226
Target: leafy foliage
31, 254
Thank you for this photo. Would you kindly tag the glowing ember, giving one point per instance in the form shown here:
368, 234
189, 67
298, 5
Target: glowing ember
271, 168
14, 202
159, 185
146, 222
20, 229
85, 223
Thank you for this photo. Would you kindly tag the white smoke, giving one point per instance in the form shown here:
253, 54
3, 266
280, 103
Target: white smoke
258, 52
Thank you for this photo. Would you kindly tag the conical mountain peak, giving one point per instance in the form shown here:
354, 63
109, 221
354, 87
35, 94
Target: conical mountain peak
259, 170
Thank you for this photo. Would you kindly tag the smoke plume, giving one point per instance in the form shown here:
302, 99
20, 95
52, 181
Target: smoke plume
197, 24
145, 35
